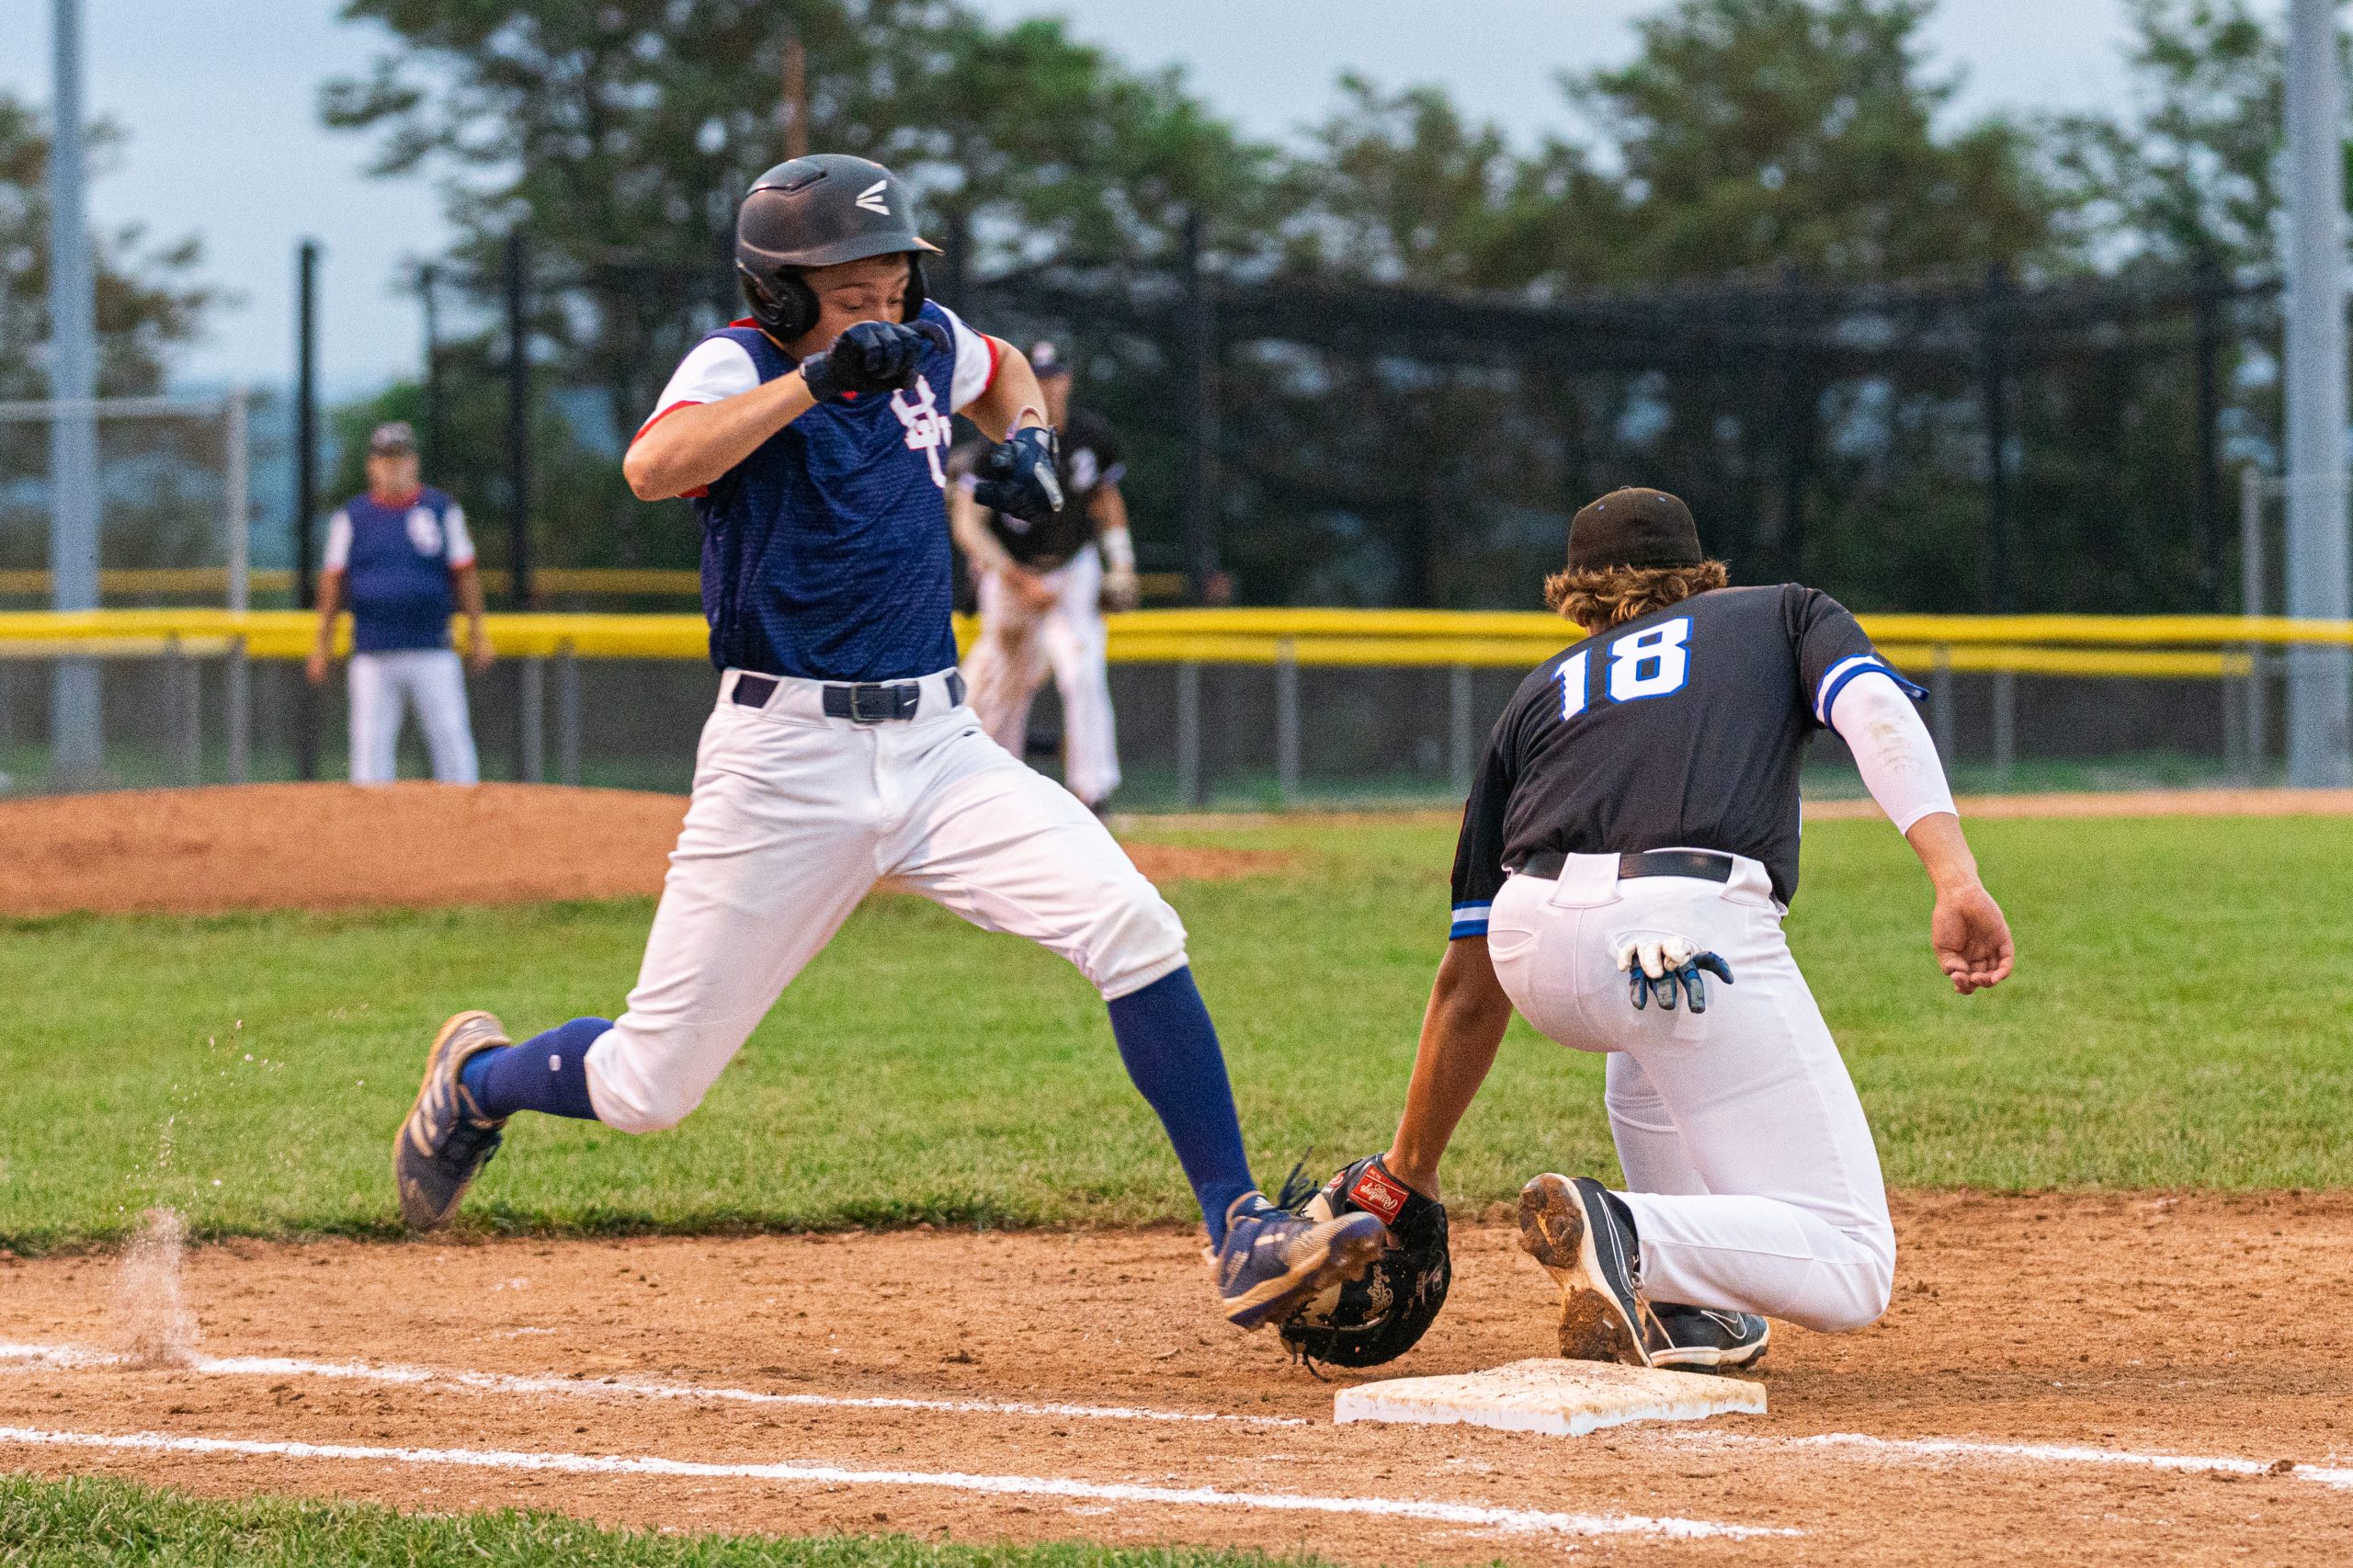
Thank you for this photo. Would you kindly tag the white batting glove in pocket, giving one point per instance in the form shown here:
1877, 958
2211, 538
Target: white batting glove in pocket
1656, 963
1656, 951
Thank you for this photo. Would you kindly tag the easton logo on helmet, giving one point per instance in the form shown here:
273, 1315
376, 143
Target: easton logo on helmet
871, 197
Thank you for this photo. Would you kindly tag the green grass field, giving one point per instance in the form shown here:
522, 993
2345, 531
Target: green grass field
2179, 1019
91, 1521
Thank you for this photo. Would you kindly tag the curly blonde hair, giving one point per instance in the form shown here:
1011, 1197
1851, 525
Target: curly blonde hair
1600, 597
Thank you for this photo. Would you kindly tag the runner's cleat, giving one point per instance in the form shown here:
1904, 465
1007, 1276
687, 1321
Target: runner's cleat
447, 1140
1702, 1339
1273, 1259
1570, 1228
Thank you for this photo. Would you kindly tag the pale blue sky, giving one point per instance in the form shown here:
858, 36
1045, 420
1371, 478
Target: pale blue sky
220, 99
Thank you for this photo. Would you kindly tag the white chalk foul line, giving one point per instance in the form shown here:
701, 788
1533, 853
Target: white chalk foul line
2338, 1476
75, 1357
1475, 1515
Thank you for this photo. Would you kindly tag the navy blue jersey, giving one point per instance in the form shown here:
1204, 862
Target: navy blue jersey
825, 552
1681, 729
396, 558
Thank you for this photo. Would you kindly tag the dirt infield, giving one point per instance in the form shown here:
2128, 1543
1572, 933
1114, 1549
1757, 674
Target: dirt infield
338, 847
2088, 1379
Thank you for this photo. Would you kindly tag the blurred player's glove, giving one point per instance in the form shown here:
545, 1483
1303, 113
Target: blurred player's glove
1016, 477
1380, 1316
1654, 963
871, 357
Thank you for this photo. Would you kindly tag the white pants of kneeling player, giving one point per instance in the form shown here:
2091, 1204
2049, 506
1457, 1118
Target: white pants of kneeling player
1017, 648
794, 818
433, 682
1749, 1166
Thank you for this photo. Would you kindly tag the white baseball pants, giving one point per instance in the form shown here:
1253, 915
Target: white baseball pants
794, 818
434, 682
1749, 1166
1017, 647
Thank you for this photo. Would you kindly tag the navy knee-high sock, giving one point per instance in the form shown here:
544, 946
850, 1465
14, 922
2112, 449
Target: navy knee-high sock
1171, 1050
547, 1073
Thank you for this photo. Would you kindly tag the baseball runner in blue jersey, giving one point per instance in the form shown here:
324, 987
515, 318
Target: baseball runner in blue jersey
813, 437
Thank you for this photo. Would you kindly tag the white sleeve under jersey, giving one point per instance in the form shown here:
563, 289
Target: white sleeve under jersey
714, 368
1899, 763
338, 555
453, 532
976, 362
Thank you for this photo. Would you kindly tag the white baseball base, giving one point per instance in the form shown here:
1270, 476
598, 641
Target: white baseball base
1548, 1394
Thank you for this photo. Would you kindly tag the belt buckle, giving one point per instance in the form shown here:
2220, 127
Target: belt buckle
872, 704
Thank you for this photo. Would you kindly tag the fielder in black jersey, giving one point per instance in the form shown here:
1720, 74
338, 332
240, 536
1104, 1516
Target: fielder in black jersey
1685, 726
1042, 588
1626, 857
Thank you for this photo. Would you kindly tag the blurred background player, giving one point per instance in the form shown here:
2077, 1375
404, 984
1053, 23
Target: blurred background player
400, 558
1043, 587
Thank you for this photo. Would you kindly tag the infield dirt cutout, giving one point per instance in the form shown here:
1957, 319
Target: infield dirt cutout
344, 846
2119, 1378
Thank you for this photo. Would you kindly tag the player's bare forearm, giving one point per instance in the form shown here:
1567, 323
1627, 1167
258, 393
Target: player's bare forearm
330, 606
1014, 398
1462, 1030
692, 446
1108, 510
468, 580
322, 649
1967, 930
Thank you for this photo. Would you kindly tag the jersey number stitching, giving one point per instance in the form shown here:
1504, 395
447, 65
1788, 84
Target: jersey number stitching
1653, 661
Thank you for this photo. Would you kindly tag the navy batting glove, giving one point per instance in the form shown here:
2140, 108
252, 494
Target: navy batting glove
871, 357
1017, 476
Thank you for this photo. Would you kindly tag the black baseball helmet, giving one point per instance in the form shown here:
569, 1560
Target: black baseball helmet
821, 211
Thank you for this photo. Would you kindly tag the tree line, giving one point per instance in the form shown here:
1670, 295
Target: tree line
1748, 146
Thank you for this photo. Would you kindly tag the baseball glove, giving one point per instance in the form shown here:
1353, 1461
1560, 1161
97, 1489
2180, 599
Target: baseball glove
1381, 1315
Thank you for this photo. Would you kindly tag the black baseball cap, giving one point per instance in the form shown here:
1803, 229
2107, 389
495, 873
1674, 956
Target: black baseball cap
1633, 527
394, 438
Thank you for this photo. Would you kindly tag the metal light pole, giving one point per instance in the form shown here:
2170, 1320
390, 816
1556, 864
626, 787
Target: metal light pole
2320, 680
75, 747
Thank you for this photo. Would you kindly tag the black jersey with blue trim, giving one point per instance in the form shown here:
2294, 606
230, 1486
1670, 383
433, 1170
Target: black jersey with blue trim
1680, 729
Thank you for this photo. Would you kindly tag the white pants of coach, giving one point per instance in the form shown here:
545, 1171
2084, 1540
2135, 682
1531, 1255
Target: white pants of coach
795, 817
1018, 646
1749, 1166
433, 682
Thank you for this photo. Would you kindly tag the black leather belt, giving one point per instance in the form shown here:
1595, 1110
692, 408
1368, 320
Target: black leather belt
862, 703
1708, 865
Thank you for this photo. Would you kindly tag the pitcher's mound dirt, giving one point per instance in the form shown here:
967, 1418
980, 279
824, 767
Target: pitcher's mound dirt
341, 847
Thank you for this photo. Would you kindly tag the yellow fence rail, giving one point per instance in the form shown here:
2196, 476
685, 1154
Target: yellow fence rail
1931, 648
2176, 647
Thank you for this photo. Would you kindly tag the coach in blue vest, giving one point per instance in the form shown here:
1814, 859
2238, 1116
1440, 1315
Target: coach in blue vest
400, 558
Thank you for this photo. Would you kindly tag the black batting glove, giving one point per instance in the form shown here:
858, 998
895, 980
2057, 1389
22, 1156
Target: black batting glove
871, 357
1017, 476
